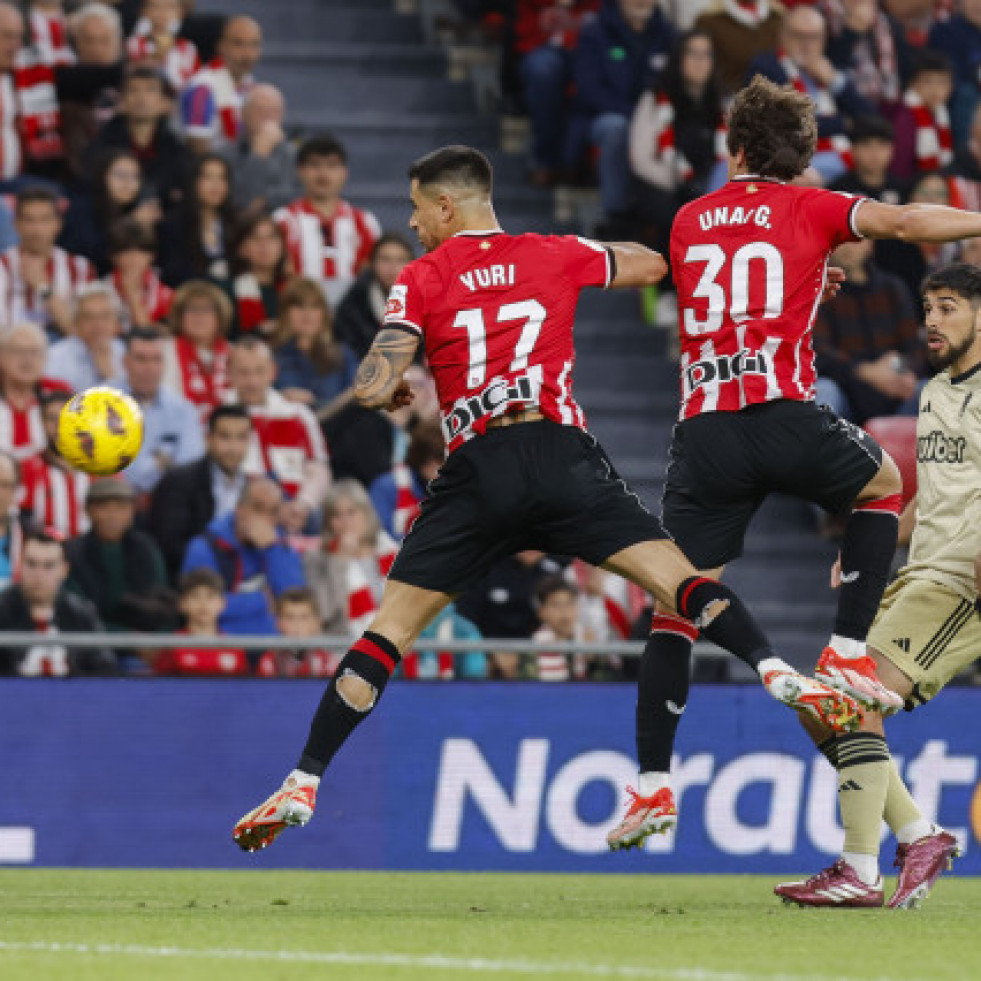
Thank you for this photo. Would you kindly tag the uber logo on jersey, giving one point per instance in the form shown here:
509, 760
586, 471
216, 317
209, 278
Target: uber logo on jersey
941, 448
725, 367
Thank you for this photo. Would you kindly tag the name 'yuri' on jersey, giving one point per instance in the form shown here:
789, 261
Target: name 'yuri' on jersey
750, 262
495, 312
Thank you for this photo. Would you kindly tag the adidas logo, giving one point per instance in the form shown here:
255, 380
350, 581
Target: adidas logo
925, 408
903, 644
849, 785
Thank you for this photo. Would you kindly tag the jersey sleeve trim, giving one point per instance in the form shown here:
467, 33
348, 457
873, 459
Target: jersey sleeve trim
407, 325
852, 212
611, 267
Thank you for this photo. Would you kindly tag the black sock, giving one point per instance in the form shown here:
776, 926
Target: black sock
867, 549
662, 690
373, 659
732, 628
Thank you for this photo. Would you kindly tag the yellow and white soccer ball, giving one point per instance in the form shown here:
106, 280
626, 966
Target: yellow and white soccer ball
100, 431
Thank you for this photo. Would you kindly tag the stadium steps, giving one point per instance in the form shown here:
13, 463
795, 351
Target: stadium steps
368, 74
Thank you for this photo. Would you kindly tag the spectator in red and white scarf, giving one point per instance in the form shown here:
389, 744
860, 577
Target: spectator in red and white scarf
49, 32
677, 133
38, 280
143, 297
866, 43
258, 264
347, 573
328, 238
155, 43
30, 120
297, 616
197, 353
23, 352
924, 141
53, 493
398, 495
211, 106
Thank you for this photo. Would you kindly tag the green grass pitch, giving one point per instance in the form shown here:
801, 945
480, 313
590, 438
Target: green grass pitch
106, 925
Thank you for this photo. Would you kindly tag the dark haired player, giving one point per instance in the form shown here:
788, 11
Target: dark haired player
495, 313
928, 627
750, 261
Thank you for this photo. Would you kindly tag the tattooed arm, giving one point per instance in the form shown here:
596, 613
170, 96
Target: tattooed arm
379, 384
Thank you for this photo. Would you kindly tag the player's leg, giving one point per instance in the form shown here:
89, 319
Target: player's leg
351, 695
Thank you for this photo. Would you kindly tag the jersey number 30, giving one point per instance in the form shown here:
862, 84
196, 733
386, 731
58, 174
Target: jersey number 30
530, 311
759, 258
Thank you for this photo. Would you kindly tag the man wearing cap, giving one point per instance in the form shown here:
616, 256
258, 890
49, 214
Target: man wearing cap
119, 569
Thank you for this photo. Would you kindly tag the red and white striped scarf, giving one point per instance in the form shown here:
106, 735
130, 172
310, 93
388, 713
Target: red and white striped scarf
65, 274
300, 663
55, 496
407, 502
824, 105
157, 297
49, 36
22, 430
874, 70
248, 303
667, 148
934, 142
30, 119
361, 600
201, 384
180, 64
749, 13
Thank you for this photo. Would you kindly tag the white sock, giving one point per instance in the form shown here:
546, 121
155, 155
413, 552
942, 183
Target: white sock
915, 830
769, 664
303, 779
847, 646
651, 782
866, 866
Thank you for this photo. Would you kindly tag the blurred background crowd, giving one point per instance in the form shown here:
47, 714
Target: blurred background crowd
167, 229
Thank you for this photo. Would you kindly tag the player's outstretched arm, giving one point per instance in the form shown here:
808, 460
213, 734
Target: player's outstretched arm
378, 383
636, 264
916, 222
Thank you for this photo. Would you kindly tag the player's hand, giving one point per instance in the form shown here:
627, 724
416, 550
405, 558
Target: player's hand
836, 276
836, 573
401, 397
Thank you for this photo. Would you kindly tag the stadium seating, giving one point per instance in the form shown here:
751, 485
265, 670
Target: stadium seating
897, 436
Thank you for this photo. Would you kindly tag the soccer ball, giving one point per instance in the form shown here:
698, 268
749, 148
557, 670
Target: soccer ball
100, 431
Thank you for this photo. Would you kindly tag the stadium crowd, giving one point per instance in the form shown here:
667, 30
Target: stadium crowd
159, 232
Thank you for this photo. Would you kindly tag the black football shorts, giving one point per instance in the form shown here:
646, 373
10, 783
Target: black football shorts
722, 465
533, 485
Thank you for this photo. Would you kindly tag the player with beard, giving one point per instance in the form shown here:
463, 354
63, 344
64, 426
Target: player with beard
928, 627
495, 313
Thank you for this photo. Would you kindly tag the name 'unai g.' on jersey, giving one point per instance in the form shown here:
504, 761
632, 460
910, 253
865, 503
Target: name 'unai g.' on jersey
947, 535
750, 264
495, 312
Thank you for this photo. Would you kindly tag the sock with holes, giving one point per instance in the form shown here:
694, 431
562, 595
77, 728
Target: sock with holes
867, 548
863, 775
900, 810
373, 659
662, 689
718, 613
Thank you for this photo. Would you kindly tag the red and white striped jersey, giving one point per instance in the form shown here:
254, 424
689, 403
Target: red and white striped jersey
750, 263
332, 249
285, 436
495, 312
66, 274
30, 119
49, 36
157, 297
179, 64
55, 496
211, 104
22, 430
199, 376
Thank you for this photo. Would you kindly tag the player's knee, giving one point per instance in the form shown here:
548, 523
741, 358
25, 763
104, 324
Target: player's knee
886, 482
355, 692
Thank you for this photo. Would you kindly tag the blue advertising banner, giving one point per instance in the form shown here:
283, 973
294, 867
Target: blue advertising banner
154, 773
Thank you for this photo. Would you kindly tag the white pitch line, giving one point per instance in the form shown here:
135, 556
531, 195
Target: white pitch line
475, 965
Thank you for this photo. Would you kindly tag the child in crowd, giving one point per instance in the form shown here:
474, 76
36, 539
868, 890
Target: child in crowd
155, 42
558, 610
201, 599
924, 141
143, 299
297, 616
